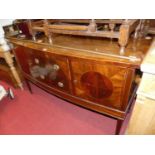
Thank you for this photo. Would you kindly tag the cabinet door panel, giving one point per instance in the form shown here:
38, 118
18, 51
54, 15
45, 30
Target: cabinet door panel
45, 67
101, 83
50, 69
58, 71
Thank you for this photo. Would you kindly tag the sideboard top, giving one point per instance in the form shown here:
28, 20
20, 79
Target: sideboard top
92, 47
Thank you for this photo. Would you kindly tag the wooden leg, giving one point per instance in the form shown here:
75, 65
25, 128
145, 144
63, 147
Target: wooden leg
9, 61
50, 39
132, 99
129, 109
118, 126
29, 86
122, 50
123, 38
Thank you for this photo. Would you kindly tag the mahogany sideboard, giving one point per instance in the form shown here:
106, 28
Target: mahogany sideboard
89, 72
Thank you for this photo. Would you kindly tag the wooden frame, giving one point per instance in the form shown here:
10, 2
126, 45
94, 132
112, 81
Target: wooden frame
87, 28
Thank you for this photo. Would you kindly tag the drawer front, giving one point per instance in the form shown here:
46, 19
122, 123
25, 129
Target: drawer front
46, 67
100, 83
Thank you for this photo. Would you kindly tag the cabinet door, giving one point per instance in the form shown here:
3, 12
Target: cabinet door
101, 83
58, 71
45, 67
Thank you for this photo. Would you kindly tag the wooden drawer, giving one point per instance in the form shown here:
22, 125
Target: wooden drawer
45, 67
101, 83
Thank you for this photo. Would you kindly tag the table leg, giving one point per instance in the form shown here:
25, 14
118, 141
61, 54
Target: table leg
118, 126
28, 85
9, 61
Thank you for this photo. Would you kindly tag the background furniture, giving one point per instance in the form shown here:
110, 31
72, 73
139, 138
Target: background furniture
143, 116
109, 28
147, 27
8, 70
5, 70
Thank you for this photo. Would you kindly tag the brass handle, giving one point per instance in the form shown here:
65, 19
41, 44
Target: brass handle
60, 84
56, 67
36, 61
44, 49
75, 81
42, 77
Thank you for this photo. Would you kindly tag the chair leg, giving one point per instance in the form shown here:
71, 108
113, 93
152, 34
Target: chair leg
118, 126
29, 86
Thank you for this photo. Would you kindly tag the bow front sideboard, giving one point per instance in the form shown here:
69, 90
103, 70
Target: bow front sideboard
89, 72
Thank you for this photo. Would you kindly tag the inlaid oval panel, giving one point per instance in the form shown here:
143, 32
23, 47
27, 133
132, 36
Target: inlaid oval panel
96, 85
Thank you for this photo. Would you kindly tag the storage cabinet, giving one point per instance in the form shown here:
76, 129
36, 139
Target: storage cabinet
96, 85
101, 83
75, 70
102, 86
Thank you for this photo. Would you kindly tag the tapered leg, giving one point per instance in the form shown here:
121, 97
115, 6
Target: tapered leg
129, 109
118, 126
28, 85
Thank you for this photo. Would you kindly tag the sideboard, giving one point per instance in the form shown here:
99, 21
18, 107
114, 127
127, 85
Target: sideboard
88, 72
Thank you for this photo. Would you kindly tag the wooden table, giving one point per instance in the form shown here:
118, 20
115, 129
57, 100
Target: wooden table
9, 59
